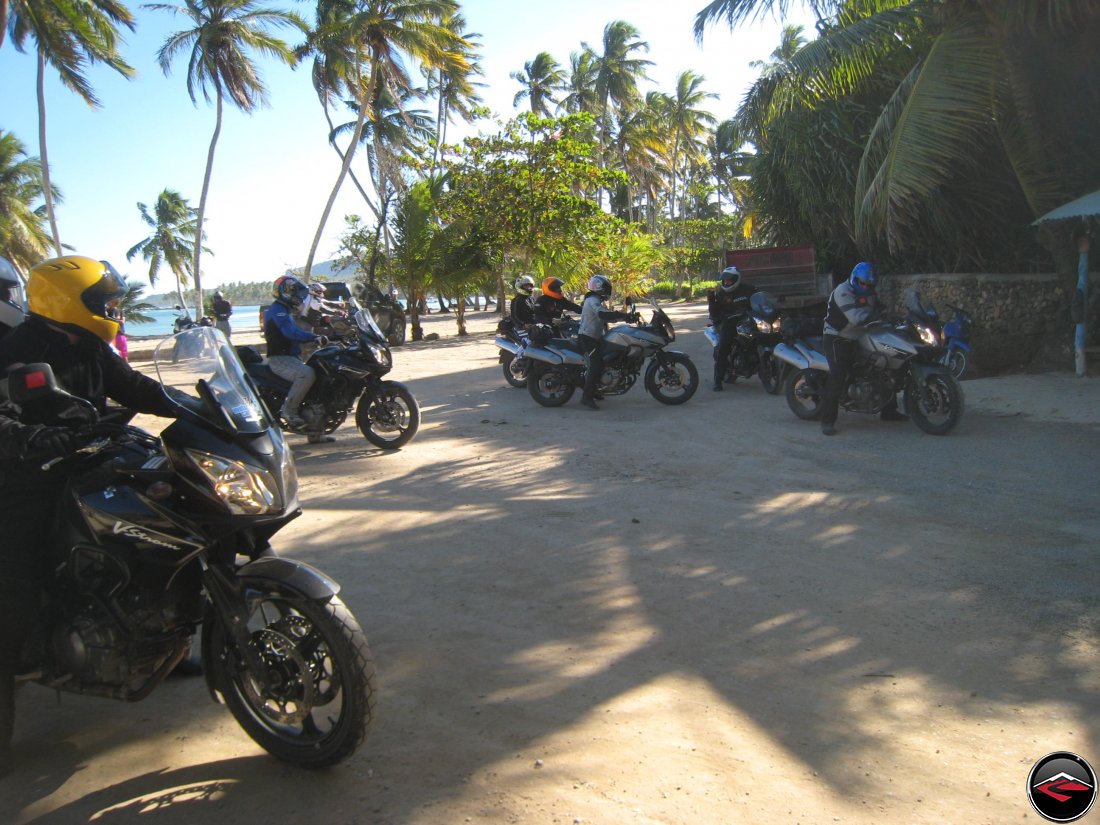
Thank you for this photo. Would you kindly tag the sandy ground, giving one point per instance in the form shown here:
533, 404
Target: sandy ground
651, 614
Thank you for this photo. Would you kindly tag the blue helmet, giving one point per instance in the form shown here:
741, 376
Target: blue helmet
863, 278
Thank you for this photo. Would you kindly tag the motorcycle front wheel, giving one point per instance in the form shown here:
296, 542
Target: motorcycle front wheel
550, 387
805, 393
674, 381
935, 404
771, 372
314, 705
956, 362
388, 418
515, 370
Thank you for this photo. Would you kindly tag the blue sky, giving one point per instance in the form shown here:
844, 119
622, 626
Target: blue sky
273, 170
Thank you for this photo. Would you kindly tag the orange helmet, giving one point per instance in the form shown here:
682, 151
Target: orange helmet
552, 287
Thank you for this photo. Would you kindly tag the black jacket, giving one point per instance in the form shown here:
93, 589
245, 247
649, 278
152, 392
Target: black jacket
522, 311
549, 309
722, 305
88, 369
222, 309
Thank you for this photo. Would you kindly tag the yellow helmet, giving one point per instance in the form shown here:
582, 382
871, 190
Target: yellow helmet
77, 293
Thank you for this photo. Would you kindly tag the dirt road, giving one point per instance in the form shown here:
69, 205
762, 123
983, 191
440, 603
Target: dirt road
698, 614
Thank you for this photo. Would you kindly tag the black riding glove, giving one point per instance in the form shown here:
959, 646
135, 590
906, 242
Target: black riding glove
52, 442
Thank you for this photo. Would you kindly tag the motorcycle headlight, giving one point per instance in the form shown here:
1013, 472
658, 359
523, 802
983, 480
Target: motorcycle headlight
763, 326
381, 355
927, 334
244, 489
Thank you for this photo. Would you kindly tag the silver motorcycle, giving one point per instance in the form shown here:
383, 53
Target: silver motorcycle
890, 359
557, 366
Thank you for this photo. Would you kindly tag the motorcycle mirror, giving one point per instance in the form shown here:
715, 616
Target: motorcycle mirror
35, 389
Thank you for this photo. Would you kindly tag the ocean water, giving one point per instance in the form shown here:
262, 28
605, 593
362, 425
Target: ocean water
243, 319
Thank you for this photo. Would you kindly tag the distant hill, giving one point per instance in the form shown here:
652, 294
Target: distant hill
257, 292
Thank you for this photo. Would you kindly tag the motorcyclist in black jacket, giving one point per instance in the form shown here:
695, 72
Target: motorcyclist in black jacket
550, 306
72, 318
522, 310
726, 304
11, 315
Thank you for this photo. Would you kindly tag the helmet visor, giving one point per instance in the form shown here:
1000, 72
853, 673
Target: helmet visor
104, 296
864, 285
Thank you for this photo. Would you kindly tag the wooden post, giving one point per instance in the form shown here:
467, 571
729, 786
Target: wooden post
1081, 336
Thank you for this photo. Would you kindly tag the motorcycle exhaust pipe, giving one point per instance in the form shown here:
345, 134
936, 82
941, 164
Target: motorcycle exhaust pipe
542, 354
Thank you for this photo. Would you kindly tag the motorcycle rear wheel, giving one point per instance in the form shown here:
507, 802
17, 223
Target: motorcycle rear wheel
318, 704
389, 418
937, 406
674, 383
515, 370
550, 387
805, 393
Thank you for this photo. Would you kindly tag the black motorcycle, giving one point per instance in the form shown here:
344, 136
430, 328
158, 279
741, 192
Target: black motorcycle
157, 536
558, 366
758, 332
349, 376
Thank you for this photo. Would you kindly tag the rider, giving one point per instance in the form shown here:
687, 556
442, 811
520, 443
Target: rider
72, 318
552, 303
222, 310
726, 305
10, 313
284, 339
852, 306
522, 309
594, 318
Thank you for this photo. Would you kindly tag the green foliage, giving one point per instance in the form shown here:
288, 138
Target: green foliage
24, 239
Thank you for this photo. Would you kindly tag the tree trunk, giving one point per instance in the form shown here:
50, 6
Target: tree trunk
364, 103
460, 314
202, 205
47, 188
351, 174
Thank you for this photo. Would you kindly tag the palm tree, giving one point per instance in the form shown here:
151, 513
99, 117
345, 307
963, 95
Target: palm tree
686, 123
455, 87
224, 32
69, 35
372, 39
24, 239
617, 72
175, 230
541, 79
988, 86
133, 305
581, 84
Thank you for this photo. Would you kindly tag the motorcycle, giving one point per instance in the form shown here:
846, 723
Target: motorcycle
512, 341
349, 375
758, 331
953, 336
890, 359
557, 365
157, 536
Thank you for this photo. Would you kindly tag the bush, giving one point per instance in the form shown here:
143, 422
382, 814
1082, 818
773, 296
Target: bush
667, 289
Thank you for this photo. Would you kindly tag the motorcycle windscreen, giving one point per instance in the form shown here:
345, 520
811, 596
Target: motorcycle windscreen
201, 362
366, 323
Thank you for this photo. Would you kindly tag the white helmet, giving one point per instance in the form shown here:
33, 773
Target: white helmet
600, 285
729, 279
525, 284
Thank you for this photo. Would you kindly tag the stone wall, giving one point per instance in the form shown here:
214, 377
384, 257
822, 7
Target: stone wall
1021, 322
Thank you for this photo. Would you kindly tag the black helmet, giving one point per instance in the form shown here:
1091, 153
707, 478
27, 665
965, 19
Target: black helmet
600, 285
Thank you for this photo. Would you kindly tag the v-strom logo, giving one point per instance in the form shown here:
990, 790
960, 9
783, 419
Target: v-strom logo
131, 531
1061, 787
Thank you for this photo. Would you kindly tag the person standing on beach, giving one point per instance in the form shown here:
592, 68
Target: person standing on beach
222, 310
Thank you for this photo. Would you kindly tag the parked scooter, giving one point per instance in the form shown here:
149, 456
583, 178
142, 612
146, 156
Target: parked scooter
558, 366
